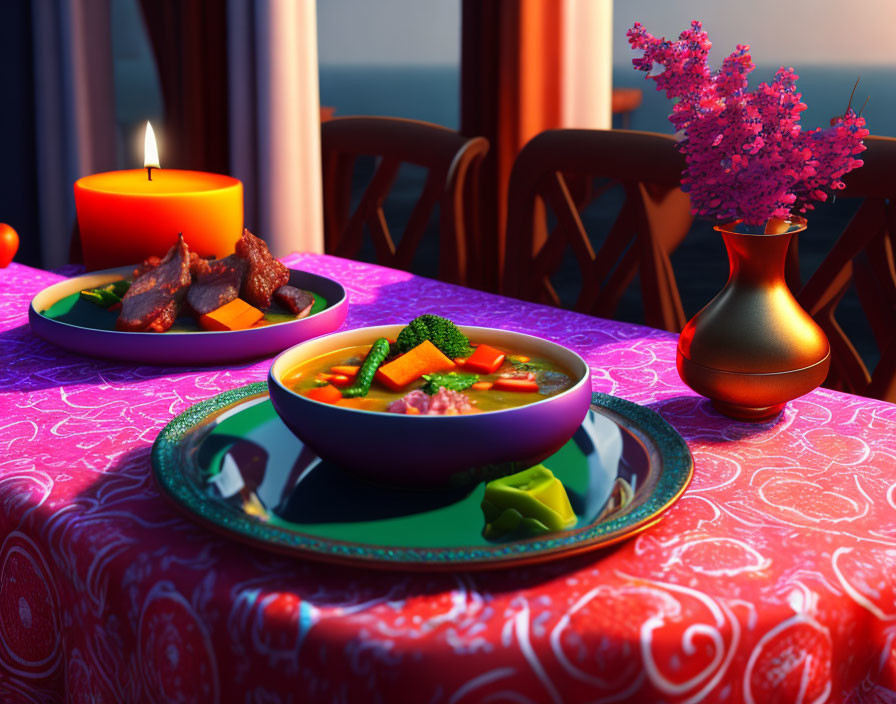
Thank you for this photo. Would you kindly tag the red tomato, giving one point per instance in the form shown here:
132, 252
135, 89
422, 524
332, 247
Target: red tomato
9, 244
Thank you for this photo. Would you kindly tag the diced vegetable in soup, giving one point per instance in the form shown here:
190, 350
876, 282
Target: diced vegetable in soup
463, 383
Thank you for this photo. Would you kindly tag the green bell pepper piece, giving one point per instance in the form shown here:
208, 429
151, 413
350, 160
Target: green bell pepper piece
120, 287
108, 295
527, 503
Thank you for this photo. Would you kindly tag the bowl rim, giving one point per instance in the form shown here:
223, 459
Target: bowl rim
465, 417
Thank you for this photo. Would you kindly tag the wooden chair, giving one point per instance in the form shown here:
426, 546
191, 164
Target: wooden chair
863, 256
555, 168
452, 162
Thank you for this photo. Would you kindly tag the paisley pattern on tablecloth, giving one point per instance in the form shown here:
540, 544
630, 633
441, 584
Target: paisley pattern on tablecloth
29, 609
773, 579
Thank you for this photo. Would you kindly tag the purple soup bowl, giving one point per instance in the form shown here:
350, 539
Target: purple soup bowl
429, 452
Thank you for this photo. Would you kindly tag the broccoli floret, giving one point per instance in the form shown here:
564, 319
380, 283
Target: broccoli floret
453, 381
438, 330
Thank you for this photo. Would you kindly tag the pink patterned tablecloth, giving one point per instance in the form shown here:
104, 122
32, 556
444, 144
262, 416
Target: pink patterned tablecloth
773, 579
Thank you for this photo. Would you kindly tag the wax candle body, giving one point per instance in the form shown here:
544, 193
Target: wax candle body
124, 217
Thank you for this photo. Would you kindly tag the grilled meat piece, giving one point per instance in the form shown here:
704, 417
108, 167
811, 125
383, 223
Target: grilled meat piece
295, 300
165, 319
265, 274
147, 265
152, 301
199, 266
219, 285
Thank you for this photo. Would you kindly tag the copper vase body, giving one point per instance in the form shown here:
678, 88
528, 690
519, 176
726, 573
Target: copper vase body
753, 348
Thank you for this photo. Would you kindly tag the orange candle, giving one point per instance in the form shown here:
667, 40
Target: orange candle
124, 217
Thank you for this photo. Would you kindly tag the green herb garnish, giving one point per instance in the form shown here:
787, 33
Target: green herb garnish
453, 381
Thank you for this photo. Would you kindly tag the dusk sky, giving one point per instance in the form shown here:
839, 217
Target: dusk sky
797, 32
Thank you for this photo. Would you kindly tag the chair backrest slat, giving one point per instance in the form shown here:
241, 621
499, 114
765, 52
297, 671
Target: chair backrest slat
557, 170
370, 212
379, 233
569, 224
862, 256
820, 289
416, 227
870, 273
451, 162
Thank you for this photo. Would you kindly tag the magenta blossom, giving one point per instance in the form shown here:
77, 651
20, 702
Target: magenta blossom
747, 156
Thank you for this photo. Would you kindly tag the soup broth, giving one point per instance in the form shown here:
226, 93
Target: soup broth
550, 377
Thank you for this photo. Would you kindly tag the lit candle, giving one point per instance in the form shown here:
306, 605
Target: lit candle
150, 151
126, 216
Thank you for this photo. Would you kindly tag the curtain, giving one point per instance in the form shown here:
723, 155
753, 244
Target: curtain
74, 111
18, 175
510, 91
275, 120
189, 40
528, 66
587, 64
239, 81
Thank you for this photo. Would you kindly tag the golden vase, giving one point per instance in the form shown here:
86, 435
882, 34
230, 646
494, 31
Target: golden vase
753, 348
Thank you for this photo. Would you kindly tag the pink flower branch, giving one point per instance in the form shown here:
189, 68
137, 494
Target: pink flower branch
746, 154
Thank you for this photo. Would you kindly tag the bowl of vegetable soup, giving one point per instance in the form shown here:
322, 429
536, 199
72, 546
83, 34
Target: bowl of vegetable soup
431, 404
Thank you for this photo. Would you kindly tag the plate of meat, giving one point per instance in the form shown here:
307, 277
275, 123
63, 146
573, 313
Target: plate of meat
182, 309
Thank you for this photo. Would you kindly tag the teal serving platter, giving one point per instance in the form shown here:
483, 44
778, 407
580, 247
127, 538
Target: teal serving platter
231, 464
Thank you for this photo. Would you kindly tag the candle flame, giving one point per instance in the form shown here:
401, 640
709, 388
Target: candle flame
150, 150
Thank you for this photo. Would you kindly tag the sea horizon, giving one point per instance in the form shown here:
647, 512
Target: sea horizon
432, 93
